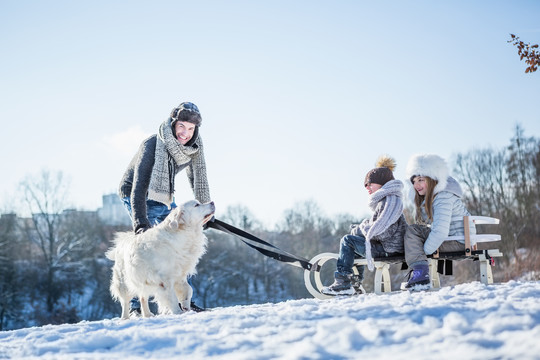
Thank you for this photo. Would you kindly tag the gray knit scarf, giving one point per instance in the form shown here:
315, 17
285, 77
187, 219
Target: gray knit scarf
171, 155
393, 208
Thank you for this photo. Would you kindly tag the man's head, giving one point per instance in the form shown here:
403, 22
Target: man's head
185, 121
186, 111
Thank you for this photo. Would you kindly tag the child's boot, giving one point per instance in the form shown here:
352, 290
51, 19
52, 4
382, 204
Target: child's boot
342, 286
356, 282
418, 278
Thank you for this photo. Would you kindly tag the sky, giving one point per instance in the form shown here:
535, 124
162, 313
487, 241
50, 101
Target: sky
298, 99
467, 321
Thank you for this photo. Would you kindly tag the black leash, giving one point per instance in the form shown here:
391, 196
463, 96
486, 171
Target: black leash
263, 247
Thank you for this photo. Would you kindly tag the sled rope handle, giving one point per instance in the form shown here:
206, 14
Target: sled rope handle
263, 247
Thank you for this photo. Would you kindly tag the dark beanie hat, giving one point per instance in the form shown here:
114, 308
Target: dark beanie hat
186, 111
382, 173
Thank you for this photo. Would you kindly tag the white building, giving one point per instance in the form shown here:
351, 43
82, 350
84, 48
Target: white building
113, 211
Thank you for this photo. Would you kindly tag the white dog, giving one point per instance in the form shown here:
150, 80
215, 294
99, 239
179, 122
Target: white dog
158, 261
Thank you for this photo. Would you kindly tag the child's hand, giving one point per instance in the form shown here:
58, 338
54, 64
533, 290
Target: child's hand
355, 230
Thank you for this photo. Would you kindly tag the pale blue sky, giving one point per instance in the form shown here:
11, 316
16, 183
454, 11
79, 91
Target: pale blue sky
298, 98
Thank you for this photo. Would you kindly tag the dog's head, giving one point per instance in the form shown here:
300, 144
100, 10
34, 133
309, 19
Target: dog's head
191, 214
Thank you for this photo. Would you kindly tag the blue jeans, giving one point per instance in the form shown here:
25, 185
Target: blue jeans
349, 247
155, 211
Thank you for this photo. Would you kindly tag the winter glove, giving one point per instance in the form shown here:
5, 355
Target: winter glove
141, 228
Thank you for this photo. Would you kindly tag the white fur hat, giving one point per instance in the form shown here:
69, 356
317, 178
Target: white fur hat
430, 165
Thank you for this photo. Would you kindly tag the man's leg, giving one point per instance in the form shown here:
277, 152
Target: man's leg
157, 212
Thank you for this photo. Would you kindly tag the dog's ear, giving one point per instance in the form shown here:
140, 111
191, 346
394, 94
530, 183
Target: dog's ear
178, 220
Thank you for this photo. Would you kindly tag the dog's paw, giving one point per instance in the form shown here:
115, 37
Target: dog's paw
184, 306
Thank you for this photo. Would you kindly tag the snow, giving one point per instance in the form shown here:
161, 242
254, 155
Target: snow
467, 321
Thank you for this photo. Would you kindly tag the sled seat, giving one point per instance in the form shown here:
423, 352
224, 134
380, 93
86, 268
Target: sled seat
439, 262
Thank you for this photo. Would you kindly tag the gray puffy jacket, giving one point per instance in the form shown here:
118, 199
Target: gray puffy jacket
448, 212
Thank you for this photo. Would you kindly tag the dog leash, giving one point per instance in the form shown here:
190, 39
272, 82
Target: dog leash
263, 247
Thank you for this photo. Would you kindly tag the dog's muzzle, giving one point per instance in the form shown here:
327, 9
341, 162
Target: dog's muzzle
212, 211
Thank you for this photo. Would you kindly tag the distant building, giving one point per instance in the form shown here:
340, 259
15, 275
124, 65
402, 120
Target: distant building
113, 211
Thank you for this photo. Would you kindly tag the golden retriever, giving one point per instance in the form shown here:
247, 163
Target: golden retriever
158, 261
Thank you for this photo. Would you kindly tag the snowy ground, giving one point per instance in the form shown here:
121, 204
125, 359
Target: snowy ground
468, 321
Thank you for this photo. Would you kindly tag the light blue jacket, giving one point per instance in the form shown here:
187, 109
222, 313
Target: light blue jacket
448, 212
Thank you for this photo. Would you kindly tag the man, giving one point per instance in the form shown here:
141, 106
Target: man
147, 187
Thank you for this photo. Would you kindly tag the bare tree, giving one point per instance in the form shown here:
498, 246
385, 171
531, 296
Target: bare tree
306, 231
240, 216
506, 184
53, 245
11, 299
483, 176
524, 179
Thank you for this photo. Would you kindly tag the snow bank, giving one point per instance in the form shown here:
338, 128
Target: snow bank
468, 321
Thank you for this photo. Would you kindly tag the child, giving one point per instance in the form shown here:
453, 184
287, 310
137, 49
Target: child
379, 236
439, 214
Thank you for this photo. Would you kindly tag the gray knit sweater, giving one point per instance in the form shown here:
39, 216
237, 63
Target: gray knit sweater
136, 181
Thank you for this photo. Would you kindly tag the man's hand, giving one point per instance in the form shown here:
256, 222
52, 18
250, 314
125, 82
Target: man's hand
141, 228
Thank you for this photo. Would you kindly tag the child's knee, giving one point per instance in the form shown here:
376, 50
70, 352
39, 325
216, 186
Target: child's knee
347, 242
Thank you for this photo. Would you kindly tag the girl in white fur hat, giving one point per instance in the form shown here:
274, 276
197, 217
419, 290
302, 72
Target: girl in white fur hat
439, 214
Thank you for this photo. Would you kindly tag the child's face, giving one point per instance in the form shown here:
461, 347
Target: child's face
420, 185
372, 187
